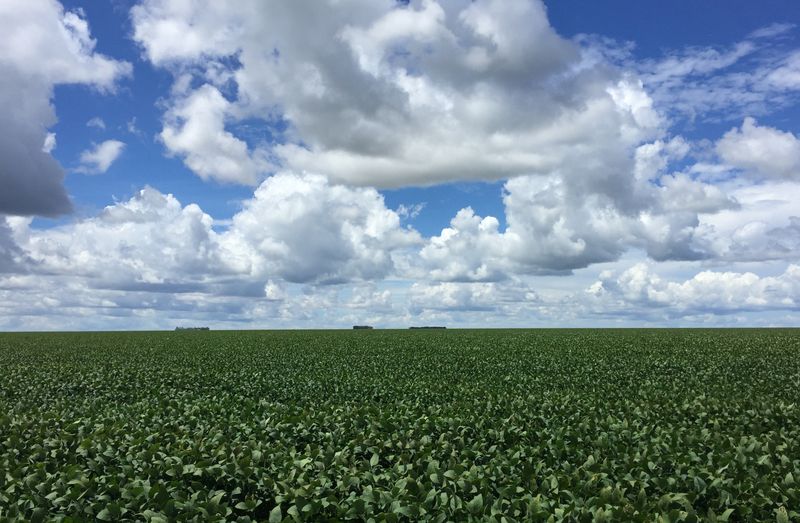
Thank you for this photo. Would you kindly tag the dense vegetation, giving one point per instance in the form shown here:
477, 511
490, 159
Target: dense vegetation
634, 425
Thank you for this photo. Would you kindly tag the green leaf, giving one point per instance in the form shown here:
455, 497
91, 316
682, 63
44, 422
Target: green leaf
275, 515
475, 506
782, 516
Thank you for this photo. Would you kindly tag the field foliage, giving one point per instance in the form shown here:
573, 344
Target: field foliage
507, 425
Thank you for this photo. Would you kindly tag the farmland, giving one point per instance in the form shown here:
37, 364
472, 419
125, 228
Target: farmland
514, 425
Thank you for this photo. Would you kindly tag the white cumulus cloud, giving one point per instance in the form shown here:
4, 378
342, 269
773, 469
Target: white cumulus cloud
296, 228
761, 150
99, 158
706, 291
195, 129
383, 95
302, 228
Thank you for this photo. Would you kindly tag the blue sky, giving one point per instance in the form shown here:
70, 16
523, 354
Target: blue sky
470, 163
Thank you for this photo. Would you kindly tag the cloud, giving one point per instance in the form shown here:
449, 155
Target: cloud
296, 228
772, 30
381, 95
471, 249
97, 123
43, 46
302, 228
506, 298
758, 241
316, 105
387, 96
755, 76
410, 211
762, 151
763, 226
49, 143
131, 127
99, 158
145, 242
707, 291
171, 31
555, 226
151, 261
787, 75
42, 40
12, 258
195, 129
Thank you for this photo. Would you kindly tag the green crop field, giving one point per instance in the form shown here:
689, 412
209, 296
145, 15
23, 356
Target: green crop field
506, 425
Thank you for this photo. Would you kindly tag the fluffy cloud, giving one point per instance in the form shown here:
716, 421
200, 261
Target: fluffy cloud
147, 242
471, 249
100, 157
305, 229
42, 46
548, 230
42, 40
506, 298
195, 129
555, 227
381, 94
761, 150
153, 262
30, 177
763, 226
757, 241
707, 291
411, 211
49, 143
384, 95
296, 228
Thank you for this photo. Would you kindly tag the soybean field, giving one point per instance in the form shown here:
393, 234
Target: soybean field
455, 425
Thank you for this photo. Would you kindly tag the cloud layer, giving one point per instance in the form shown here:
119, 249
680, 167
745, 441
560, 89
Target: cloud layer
304, 252
613, 208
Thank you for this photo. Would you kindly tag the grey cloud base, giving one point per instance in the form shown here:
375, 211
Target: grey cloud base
31, 181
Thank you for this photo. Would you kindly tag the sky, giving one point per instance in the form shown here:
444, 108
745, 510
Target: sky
319, 164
